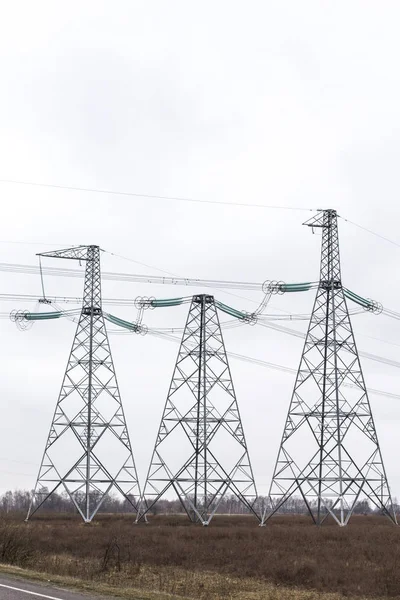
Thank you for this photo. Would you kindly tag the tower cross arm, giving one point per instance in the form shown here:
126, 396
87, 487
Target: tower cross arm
323, 218
74, 253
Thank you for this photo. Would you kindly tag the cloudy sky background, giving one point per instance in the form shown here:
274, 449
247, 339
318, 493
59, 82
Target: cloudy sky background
290, 104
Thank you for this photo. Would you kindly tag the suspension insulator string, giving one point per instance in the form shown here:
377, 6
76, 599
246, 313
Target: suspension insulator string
43, 299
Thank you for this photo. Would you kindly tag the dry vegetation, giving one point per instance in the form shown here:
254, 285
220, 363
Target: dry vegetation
233, 558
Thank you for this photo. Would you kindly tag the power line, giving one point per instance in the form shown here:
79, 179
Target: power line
150, 196
265, 323
174, 276
140, 263
153, 279
275, 366
284, 329
376, 339
168, 335
133, 277
378, 235
299, 334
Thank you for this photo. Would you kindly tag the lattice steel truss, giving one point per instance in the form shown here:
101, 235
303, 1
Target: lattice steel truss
200, 450
88, 452
329, 453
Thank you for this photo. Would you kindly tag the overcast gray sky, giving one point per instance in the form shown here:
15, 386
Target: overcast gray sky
279, 103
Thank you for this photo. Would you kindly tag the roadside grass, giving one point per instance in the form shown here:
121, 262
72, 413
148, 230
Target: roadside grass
201, 585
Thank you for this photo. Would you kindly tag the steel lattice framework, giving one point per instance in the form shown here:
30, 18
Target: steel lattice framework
329, 453
200, 450
88, 451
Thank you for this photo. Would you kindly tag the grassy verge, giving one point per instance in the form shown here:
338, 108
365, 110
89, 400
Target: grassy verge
79, 585
209, 585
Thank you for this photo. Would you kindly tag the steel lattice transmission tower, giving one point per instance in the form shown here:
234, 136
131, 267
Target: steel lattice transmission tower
88, 452
200, 450
329, 453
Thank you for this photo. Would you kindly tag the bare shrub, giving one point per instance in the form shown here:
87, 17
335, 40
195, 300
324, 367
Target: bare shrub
15, 543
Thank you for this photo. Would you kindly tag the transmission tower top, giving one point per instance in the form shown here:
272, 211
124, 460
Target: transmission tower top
74, 253
324, 218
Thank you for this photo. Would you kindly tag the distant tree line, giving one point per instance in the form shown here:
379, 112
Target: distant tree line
19, 500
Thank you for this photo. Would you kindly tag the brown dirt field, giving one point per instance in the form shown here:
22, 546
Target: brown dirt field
232, 558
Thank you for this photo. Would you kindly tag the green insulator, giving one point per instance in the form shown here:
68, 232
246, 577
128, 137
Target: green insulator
230, 311
299, 288
120, 322
166, 302
296, 287
42, 316
357, 299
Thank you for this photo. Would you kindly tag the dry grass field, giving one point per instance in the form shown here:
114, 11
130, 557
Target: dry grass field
233, 558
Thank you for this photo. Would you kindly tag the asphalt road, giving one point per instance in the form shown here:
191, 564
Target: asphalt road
20, 589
